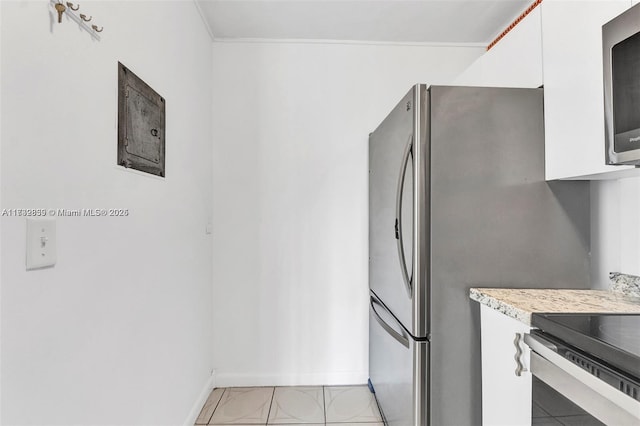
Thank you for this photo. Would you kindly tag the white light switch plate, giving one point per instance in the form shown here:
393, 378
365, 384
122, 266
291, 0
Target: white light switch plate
41, 243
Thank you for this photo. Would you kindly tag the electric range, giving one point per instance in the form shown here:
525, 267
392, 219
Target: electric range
592, 359
612, 338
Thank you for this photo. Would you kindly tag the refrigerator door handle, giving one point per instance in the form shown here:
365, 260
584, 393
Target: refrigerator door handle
408, 152
400, 336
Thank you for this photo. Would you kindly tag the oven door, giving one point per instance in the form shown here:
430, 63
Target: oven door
597, 397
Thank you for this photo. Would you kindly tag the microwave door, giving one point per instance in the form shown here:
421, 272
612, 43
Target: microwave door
625, 70
621, 71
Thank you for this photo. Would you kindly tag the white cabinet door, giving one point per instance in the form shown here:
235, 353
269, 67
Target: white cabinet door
573, 100
515, 61
506, 397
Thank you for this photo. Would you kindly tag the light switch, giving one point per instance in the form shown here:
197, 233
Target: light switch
41, 243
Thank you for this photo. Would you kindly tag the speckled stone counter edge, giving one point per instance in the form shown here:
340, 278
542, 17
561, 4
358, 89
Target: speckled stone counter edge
522, 303
493, 303
625, 284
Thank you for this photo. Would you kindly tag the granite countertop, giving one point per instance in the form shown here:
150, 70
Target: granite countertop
521, 303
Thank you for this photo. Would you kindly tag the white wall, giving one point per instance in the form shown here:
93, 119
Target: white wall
615, 239
629, 227
119, 331
291, 125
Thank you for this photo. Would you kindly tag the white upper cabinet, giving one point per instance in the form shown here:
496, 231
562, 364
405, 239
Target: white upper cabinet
516, 61
573, 91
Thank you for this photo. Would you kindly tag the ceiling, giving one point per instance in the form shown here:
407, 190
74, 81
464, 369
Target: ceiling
402, 21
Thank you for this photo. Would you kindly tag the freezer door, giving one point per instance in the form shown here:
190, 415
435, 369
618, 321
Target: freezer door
392, 194
397, 372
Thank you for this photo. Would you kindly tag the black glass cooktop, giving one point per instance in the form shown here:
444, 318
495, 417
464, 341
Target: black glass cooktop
615, 339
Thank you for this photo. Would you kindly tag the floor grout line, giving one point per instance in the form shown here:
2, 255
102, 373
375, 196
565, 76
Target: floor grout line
273, 395
217, 403
324, 405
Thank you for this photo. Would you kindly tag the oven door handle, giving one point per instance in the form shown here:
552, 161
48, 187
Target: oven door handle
602, 400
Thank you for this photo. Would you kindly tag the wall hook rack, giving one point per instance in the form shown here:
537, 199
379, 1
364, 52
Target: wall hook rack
69, 10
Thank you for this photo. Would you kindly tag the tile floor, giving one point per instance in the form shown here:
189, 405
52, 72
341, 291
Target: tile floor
294, 405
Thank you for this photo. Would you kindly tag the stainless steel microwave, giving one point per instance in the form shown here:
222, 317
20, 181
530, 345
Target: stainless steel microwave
621, 61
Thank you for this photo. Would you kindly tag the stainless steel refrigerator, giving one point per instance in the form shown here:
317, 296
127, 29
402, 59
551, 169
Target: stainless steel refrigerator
457, 199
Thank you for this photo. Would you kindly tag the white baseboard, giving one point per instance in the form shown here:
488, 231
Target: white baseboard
224, 380
202, 398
